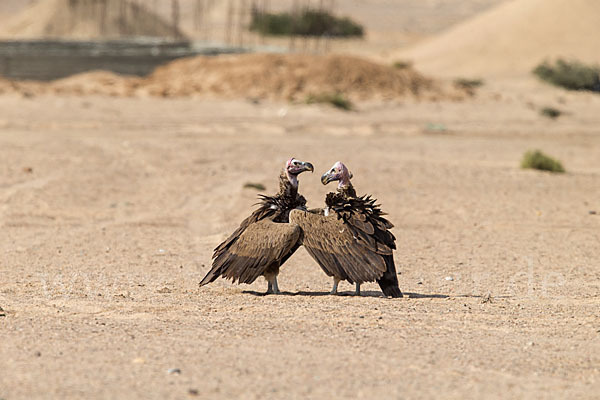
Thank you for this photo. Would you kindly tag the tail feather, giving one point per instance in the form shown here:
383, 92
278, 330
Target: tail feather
389, 281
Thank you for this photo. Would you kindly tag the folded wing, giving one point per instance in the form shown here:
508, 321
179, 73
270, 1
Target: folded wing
345, 248
252, 248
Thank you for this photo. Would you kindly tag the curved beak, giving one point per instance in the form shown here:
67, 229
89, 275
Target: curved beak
308, 167
326, 178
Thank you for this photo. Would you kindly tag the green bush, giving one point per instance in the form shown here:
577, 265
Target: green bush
550, 112
535, 159
337, 100
571, 75
306, 23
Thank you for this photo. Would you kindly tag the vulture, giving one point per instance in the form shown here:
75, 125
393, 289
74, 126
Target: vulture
350, 238
266, 239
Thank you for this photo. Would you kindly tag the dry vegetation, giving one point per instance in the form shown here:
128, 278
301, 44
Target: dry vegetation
572, 75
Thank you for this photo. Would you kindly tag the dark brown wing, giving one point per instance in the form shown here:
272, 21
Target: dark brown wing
346, 250
255, 245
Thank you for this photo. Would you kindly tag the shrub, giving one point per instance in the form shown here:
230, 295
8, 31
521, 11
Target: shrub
535, 159
402, 64
254, 185
571, 75
306, 23
550, 112
468, 83
337, 100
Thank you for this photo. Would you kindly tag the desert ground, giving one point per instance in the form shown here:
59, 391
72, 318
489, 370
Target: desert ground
110, 209
112, 199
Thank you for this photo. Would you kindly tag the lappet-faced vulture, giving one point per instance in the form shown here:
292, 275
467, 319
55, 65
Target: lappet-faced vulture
350, 238
266, 239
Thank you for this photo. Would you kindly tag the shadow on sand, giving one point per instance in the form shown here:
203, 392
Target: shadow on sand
364, 293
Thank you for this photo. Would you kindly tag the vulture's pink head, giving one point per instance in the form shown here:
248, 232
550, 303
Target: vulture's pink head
338, 172
294, 167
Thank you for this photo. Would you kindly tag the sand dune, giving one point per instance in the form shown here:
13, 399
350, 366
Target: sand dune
512, 38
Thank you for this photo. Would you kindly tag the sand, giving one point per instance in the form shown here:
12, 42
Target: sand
511, 39
110, 208
112, 201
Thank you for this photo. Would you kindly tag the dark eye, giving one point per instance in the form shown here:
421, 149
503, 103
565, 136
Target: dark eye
295, 163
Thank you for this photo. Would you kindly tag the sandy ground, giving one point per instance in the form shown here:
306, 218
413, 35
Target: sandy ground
110, 208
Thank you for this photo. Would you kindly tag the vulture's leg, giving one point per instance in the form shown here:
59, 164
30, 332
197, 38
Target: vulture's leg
335, 285
275, 286
357, 291
271, 277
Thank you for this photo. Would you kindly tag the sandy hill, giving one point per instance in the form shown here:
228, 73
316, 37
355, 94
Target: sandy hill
511, 39
290, 77
83, 19
259, 76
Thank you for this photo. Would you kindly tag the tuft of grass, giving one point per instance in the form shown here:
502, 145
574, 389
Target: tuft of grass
435, 127
402, 64
535, 159
337, 100
468, 83
254, 185
572, 75
551, 112
308, 22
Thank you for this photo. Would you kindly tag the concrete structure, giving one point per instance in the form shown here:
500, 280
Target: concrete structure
54, 59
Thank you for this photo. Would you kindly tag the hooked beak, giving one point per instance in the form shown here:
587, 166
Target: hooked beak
326, 178
300, 168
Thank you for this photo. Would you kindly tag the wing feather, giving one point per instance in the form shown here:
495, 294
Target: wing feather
341, 247
253, 247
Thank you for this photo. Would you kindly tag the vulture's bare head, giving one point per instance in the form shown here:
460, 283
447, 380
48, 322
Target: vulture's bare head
294, 167
339, 172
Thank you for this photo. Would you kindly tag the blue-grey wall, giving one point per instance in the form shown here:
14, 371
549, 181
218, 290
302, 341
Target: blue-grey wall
52, 59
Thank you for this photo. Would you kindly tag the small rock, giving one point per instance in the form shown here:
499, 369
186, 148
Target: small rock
449, 278
138, 360
164, 290
28, 170
37, 354
174, 371
530, 344
193, 392
593, 212
419, 282
161, 251
486, 299
2, 312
